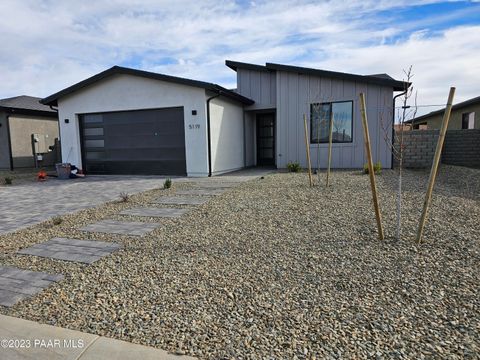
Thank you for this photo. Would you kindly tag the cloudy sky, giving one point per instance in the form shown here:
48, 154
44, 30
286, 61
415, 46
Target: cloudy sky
47, 45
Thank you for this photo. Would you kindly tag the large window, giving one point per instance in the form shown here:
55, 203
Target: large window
342, 115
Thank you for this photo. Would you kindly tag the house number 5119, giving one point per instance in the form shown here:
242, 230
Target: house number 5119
194, 126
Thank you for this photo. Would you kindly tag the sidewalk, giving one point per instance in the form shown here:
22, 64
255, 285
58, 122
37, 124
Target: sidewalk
23, 339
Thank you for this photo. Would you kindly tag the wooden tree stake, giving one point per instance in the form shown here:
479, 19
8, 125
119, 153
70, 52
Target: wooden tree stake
307, 145
436, 161
371, 171
330, 136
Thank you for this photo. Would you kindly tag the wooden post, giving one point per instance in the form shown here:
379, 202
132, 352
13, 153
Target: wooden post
371, 171
330, 135
436, 161
308, 150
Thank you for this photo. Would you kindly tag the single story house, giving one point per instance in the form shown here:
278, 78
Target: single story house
464, 115
22, 117
127, 121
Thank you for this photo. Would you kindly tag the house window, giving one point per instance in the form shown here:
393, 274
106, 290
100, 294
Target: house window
342, 114
468, 120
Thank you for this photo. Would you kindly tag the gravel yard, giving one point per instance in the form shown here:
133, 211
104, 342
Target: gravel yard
275, 269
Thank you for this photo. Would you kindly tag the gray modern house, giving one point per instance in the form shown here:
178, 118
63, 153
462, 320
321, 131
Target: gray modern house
283, 94
137, 122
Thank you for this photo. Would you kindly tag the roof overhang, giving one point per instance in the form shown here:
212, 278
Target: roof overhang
29, 112
52, 100
381, 79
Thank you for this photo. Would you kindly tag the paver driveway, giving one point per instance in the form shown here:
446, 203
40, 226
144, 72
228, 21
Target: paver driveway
28, 204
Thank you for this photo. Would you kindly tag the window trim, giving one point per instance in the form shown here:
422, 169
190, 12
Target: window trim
331, 114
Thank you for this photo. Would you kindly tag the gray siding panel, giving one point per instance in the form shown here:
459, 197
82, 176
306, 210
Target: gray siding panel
296, 92
259, 86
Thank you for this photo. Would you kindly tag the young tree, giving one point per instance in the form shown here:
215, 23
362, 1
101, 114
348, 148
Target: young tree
397, 144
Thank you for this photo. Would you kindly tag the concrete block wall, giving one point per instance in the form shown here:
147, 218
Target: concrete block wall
461, 147
419, 148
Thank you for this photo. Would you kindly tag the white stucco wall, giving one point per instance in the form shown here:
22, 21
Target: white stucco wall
128, 92
250, 139
227, 135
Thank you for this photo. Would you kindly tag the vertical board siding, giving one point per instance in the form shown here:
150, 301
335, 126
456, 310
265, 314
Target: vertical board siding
296, 92
259, 86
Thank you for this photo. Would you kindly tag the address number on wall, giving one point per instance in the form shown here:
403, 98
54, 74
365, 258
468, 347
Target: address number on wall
194, 126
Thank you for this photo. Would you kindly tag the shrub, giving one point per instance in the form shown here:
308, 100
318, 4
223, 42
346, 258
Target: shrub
57, 220
294, 167
167, 184
377, 168
124, 197
8, 180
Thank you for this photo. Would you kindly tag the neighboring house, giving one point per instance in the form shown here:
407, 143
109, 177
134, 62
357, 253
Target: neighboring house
20, 118
127, 121
465, 115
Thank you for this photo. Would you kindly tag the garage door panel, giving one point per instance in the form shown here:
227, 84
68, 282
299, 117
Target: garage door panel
167, 167
143, 154
145, 129
134, 142
138, 141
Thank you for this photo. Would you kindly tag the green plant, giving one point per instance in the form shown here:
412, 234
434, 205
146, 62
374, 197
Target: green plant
294, 167
8, 180
377, 168
167, 184
124, 197
57, 220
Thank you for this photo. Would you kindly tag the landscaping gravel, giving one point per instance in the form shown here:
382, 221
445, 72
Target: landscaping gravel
275, 269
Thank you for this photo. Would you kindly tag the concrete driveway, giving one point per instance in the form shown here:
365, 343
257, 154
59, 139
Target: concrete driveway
31, 203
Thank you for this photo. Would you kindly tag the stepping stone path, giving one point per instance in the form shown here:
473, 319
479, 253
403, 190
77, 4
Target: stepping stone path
134, 228
212, 185
202, 192
17, 284
83, 251
182, 200
155, 212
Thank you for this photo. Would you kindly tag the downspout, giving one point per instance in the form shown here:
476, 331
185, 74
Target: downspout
9, 140
393, 123
209, 135
244, 138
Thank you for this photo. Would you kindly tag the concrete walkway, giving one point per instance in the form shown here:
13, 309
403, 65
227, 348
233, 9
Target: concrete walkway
23, 339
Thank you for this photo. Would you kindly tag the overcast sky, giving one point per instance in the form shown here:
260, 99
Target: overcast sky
48, 45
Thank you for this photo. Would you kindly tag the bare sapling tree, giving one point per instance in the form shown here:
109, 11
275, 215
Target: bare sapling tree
396, 142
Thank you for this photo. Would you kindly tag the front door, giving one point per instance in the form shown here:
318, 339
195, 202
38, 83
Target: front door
266, 139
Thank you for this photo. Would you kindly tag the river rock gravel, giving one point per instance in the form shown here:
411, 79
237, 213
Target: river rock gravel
275, 269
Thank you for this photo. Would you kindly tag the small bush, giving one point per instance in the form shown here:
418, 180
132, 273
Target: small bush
124, 197
294, 167
57, 220
377, 168
8, 180
167, 184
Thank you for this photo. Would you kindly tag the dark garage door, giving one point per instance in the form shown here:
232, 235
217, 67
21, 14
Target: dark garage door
134, 142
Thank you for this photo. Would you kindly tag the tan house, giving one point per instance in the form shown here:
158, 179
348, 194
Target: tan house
465, 115
28, 131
